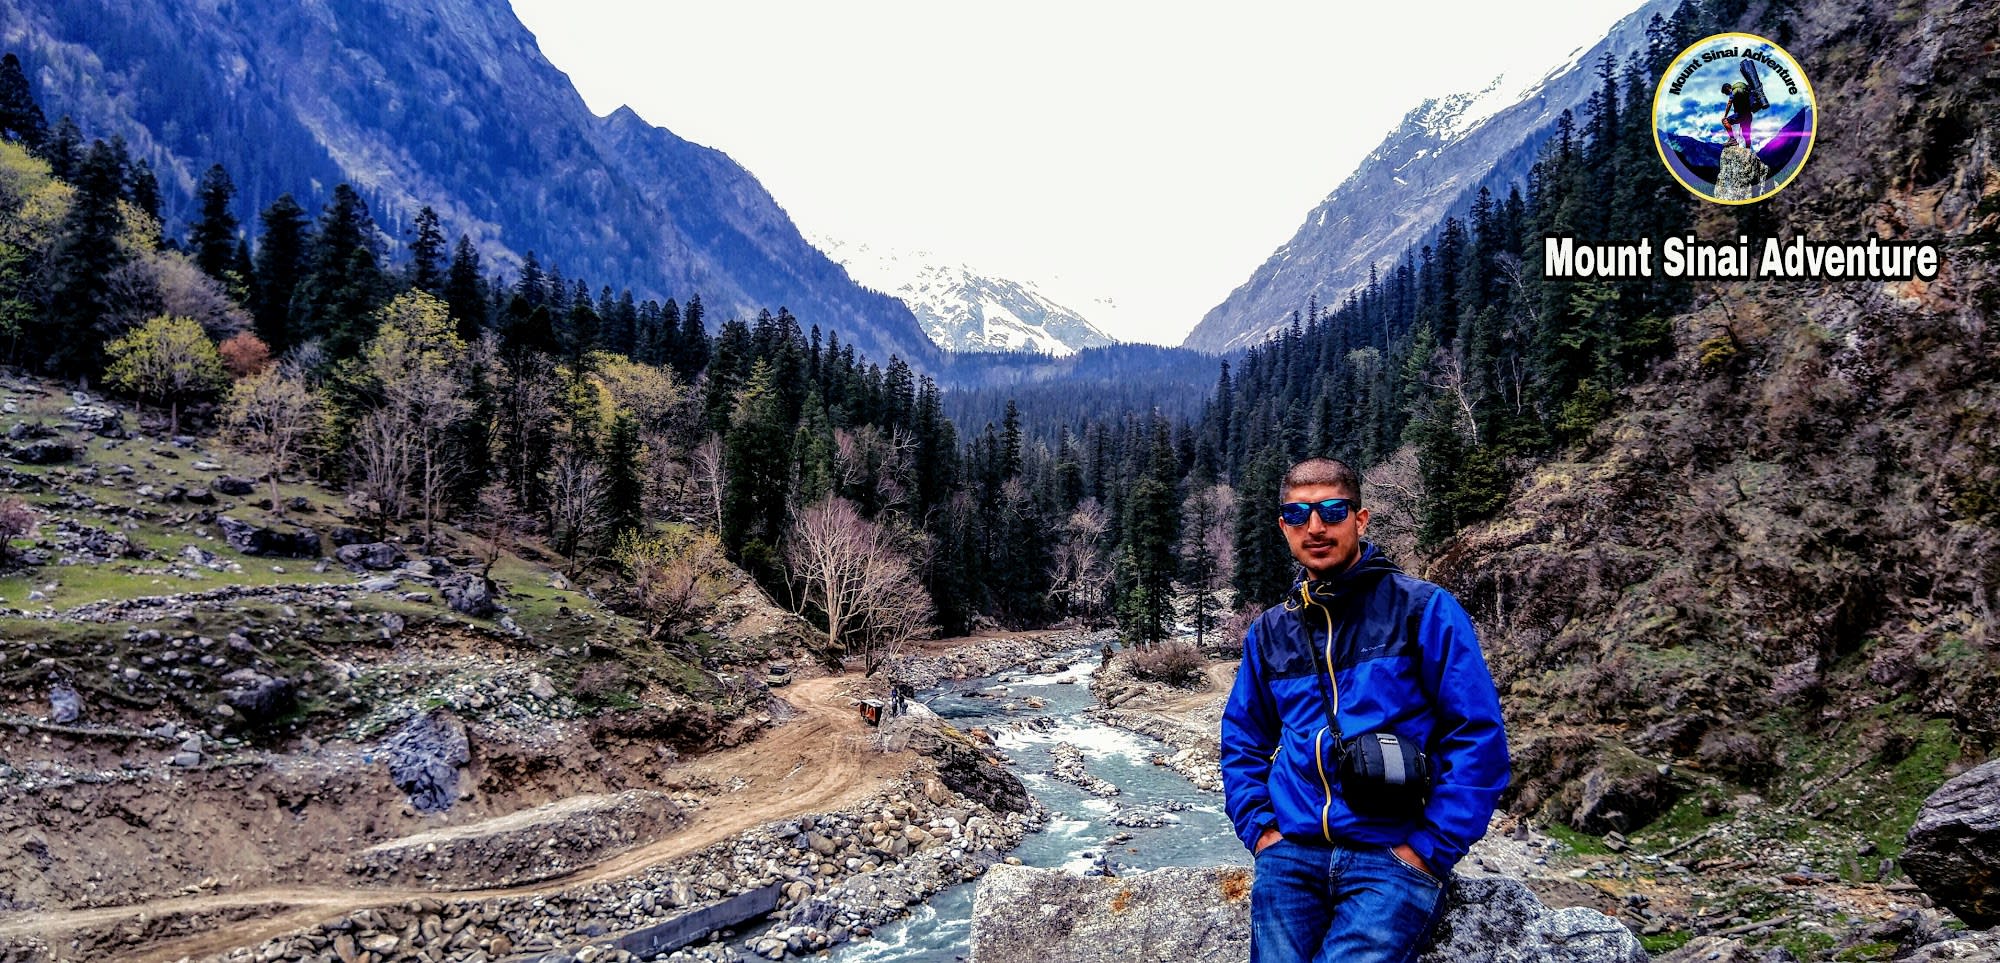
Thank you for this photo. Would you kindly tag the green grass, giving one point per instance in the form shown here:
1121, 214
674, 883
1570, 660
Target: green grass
1581, 844
1664, 942
1869, 951
1804, 944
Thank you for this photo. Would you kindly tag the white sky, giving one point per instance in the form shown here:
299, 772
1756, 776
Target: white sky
1150, 153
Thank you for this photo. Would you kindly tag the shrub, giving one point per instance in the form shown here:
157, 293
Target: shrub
1176, 663
244, 354
17, 520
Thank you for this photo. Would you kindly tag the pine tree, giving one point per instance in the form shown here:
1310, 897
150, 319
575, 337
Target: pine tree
212, 240
21, 119
85, 254
64, 149
344, 283
693, 341
464, 291
281, 265
427, 265
624, 490
756, 456
143, 187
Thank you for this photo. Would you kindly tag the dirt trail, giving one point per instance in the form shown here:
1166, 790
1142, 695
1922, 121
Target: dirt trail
814, 762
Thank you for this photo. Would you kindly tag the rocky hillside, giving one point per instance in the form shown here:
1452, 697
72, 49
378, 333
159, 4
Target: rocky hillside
450, 105
1432, 165
178, 663
1755, 612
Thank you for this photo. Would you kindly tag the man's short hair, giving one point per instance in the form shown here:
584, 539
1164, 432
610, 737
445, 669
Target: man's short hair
1321, 471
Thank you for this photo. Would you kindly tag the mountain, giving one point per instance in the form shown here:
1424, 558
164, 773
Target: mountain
1430, 166
449, 104
966, 310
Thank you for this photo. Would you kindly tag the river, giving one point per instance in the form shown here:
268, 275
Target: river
1079, 831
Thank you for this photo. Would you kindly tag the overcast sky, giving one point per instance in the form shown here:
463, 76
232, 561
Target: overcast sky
1153, 154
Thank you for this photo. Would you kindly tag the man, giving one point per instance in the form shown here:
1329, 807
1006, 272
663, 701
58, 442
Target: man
1737, 107
1358, 651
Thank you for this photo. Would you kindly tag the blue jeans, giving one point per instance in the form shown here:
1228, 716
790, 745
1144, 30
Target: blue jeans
1336, 904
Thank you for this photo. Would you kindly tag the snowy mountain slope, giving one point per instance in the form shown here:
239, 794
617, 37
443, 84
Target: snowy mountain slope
1429, 166
963, 309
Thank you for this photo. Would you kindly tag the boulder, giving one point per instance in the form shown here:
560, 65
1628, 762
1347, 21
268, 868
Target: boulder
472, 594
256, 540
65, 705
373, 556
1953, 849
347, 535
1025, 915
424, 759
1962, 948
233, 486
257, 697
43, 453
98, 419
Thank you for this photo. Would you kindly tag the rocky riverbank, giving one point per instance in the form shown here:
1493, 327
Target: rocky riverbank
928, 669
1188, 720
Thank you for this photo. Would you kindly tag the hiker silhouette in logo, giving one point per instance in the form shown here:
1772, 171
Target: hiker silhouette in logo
1363, 749
1738, 105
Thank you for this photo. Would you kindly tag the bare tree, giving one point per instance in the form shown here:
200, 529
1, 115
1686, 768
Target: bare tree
1082, 577
497, 520
576, 504
1207, 550
1395, 490
857, 577
414, 359
709, 475
381, 453
272, 413
1447, 374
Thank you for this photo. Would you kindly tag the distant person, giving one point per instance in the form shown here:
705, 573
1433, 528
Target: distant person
1363, 750
1738, 104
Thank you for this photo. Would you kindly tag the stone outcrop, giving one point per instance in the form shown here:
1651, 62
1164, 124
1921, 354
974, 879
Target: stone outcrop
373, 556
257, 540
1044, 916
424, 759
471, 594
1953, 849
1741, 176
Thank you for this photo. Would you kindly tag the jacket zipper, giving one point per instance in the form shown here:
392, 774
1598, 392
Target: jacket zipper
1319, 756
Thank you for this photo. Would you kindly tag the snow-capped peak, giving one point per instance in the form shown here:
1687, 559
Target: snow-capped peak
963, 309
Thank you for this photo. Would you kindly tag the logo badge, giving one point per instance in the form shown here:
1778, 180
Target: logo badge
1734, 118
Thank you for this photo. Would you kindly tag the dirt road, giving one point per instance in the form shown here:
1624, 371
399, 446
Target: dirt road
816, 762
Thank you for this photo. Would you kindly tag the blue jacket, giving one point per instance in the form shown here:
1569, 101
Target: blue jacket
1405, 660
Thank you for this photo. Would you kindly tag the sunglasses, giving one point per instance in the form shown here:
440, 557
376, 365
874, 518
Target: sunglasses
1333, 511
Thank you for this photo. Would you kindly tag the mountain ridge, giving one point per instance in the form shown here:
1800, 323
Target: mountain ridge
1433, 163
964, 309
453, 106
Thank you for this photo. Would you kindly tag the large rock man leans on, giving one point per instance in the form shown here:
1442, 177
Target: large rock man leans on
1359, 650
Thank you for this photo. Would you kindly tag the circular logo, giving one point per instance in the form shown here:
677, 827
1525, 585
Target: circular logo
1734, 118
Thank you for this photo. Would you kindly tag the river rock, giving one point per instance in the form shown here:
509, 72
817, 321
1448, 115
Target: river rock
424, 759
373, 556
257, 540
1024, 915
1953, 849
